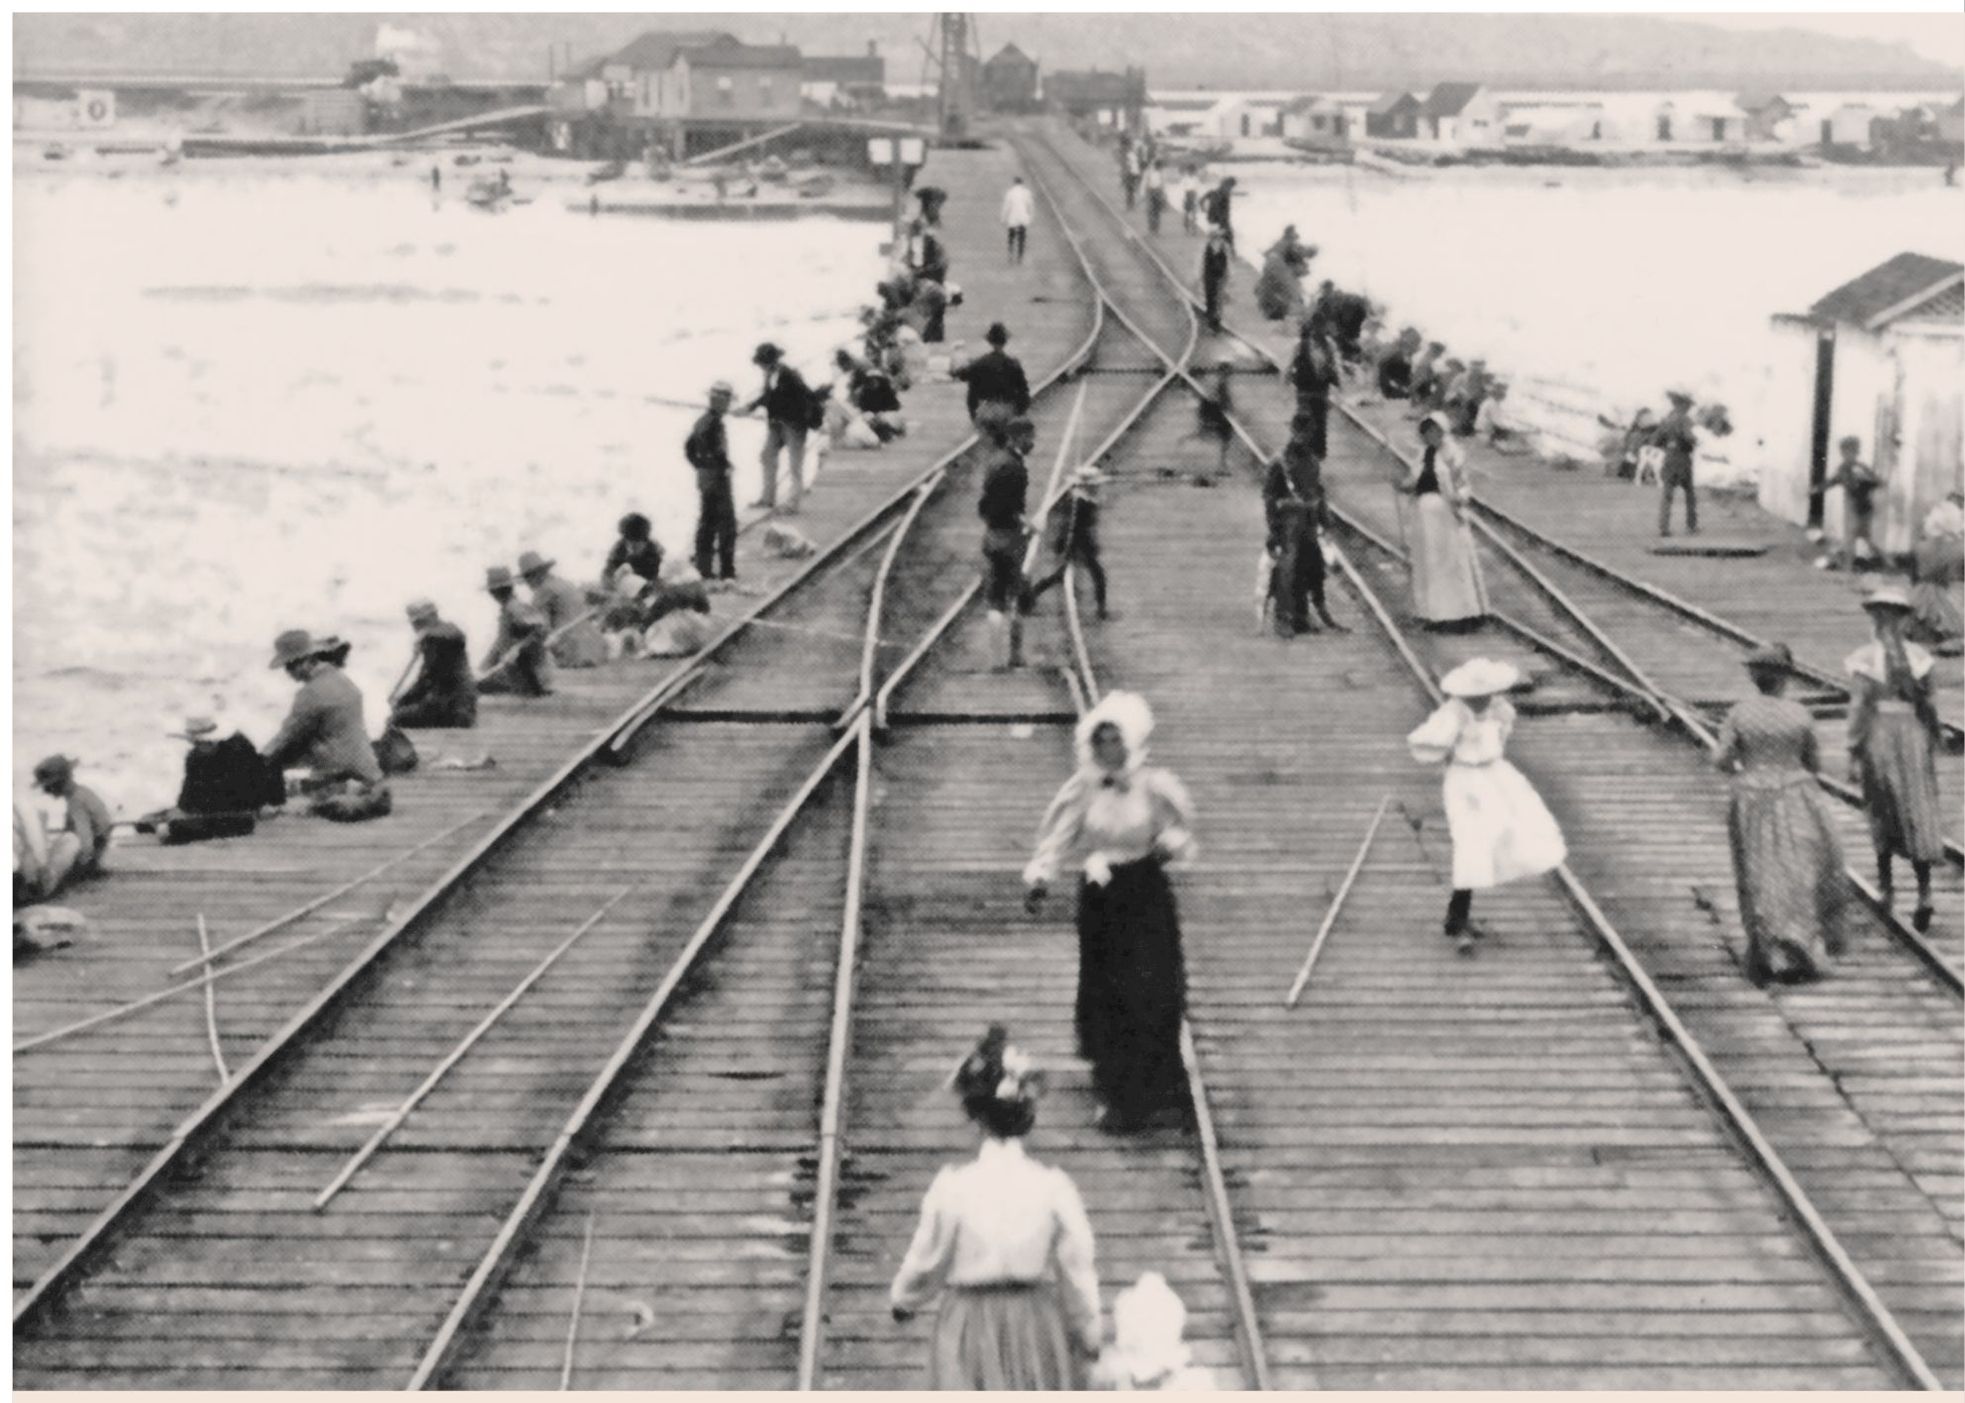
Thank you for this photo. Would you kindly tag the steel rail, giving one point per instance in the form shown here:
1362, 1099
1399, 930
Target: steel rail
1872, 1313
1221, 1214
589, 1113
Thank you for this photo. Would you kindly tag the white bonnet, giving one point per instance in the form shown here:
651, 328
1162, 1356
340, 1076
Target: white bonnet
1126, 710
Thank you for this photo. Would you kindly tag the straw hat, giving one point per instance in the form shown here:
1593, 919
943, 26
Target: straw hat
421, 611
195, 728
1438, 421
497, 577
1888, 597
1480, 677
1773, 657
532, 563
295, 645
723, 387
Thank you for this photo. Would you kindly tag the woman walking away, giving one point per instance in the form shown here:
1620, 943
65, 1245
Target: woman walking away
1501, 830
1004, 1241
1446, 577
1787, 864
1129, 821
1893, 731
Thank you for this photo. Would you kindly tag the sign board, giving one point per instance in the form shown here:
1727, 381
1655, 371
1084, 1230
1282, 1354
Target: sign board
95, 107
913, 150
880, 150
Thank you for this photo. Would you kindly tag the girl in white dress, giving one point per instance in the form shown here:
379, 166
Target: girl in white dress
1501, 830
1004, 1241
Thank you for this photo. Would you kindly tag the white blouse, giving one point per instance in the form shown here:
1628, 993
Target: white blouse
1455, 733
1003, 1217
1113, 819
1868, 661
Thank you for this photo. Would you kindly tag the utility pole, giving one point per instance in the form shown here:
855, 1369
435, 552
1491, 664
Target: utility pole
956, 54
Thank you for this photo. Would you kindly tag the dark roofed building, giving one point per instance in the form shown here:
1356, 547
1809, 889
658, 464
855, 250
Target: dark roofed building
854, 78
1395, 116
1901, 287
1009, 80
1765, 112
1095, 92
729, 79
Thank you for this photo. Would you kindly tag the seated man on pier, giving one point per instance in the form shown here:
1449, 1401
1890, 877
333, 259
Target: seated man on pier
443, 692
226, 784
325, 731
77, 850
1395, 367
1495, 423
635, 547
518, 663
573, 637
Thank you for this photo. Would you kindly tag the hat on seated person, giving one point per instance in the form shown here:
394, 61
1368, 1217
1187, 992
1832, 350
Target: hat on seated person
195, 728
294, 645
498, 577
1480, 677
532, 563
421, 611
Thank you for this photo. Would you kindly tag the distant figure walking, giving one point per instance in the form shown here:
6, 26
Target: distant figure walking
1215, 418
1447, 588
1675, 439
998, 389
1502, 832
1123, 821
1893, 735
1787, 863
1129, 173
518, 663
787, 404
325, 731
1156, 196
443, 692
1214, 276
1005, 1243
436, 178
1002, 506
1190, 201
1076, 542
1219, 207
708, 452
1293, 501
1018, 207
575, 637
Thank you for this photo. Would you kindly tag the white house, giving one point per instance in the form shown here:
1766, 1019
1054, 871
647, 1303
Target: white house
1881, 358
1849, 125
1460, 114
1320, 121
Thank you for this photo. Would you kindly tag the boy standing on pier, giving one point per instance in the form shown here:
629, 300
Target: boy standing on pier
1675, 439
708, 452
1859, 484
1006, 485
787, 405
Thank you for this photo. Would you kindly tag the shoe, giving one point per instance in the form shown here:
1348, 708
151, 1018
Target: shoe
1920, 919
1464, 943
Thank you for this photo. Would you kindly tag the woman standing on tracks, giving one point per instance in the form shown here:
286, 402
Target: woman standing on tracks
1893, 732
1005, 1242
1787, 864
1501, 829
1129, 820
1447, 588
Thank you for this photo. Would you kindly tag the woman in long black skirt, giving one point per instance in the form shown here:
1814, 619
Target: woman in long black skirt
1124, 821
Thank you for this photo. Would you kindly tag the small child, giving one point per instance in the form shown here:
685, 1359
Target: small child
1216, 416
1147, 1351
1859, 484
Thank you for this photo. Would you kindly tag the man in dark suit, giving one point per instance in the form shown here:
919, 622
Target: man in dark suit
787, 404
998, 389
444, 692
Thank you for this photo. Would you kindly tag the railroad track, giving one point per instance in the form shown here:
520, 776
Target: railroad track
454, 1057
1732, 1199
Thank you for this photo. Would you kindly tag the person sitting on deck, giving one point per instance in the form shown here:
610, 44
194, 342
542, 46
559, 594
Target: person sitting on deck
1463, 397
574, 640
1395, 367
998, 388
1427, 374
518, 663
76, 852
1938, 567
1495, 425
226, 784
870, 392
325, 731
443, 694
635, 547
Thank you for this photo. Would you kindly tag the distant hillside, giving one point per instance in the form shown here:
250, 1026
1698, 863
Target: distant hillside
1288, 51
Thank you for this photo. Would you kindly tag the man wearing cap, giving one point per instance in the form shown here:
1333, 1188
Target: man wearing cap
77, 850
1675, 439
708, 451
518, 663
1006, 485
998, 389
1077, 540
787, 404
325, 732
1293, 500
574, 637
443, 693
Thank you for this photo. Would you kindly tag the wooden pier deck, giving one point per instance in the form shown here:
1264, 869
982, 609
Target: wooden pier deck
1590, 1156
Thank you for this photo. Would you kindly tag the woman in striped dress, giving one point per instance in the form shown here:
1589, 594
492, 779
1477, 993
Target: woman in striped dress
1893, 732
1005, 1243
1787, 864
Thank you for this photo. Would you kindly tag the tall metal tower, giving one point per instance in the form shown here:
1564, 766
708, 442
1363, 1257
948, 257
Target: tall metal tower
955, 49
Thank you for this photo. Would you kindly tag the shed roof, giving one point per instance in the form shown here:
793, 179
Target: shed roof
1758, 102
1008, 54
1449, 99
1392, 102
1904, 284
652, 51
1312, 103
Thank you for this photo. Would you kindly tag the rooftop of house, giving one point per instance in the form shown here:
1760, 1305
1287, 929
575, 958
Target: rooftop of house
1449, 99
1905, 285
726, 52
1759, 102
1009, 53
854, 68
651, 51
1392, 102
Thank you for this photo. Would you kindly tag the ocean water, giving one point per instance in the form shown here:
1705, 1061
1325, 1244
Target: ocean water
264, 395
1596, 290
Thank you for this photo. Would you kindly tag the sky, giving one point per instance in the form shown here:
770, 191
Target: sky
1939, 37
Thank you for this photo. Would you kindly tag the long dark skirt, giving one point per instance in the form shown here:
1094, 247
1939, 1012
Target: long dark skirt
1132, 988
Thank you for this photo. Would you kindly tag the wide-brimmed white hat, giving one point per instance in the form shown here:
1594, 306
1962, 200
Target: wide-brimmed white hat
1480, 677
1888, 597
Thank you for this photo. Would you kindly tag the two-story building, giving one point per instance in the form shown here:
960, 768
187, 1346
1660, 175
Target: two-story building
675, 89
849, 81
